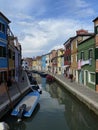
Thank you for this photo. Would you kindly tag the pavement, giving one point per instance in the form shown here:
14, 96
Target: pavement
86, 95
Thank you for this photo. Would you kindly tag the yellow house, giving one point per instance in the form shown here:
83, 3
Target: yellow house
38, 63
60, 52
34, 64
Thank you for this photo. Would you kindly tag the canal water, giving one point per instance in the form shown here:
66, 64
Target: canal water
57, 110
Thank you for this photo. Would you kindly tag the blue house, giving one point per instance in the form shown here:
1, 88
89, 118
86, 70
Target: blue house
43, 62
4, 28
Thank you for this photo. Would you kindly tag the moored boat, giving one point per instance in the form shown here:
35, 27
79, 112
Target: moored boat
36, 87
49, 78
43, 74
27, 105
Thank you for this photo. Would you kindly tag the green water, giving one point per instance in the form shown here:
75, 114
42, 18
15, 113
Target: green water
57, 110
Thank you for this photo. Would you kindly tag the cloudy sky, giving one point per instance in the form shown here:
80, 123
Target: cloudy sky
43, 25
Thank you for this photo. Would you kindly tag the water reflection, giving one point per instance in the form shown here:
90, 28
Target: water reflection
14, 125
19, 126
77, 115
43, 82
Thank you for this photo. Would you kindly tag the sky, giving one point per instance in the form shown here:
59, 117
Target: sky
44, 25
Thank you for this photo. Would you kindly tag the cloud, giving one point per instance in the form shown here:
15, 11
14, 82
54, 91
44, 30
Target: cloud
44, 25
44, 35
80, 8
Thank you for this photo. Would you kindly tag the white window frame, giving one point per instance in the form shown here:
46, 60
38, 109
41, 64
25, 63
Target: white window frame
89, 78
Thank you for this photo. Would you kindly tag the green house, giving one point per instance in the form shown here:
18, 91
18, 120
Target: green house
86, 62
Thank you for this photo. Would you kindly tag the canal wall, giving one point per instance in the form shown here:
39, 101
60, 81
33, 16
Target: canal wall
15, 95
83, 93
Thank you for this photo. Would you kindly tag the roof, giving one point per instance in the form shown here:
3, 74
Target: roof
86, 39
2, 15
69, 40
95, 19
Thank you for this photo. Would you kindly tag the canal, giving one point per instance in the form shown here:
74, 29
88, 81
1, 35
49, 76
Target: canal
57, 110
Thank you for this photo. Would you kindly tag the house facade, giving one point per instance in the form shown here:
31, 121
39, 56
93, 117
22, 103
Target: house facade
34, 64
38, 60
17, 63
47, 62
96, 51
81, 35
54, 61
86, 62
67, 57
43, 62
60, 53
4, 26
11, 57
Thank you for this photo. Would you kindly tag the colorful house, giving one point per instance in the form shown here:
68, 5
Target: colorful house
67, 57
11, 57
81, 35
47, 61
38, 60
43, 62
4, 27
96, 51
60, 53
86, 62
18, 57
50, 61
34, 64
54, 61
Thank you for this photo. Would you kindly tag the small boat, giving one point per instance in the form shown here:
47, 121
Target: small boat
49, 78
43, 74
36, 87
27, 105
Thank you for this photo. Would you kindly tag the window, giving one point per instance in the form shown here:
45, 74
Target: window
64, 58
96, 30
96, 53
82, 55
59, 68
96, 78
13, 55
90, 53
67, 58
2, 51
92, 77
2, 27
9, 51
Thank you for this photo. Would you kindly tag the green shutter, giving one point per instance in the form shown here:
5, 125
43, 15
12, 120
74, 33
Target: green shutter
96, 30
96, 78
96, 53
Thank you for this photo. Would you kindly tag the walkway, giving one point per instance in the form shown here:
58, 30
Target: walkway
83, 93
14, 92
